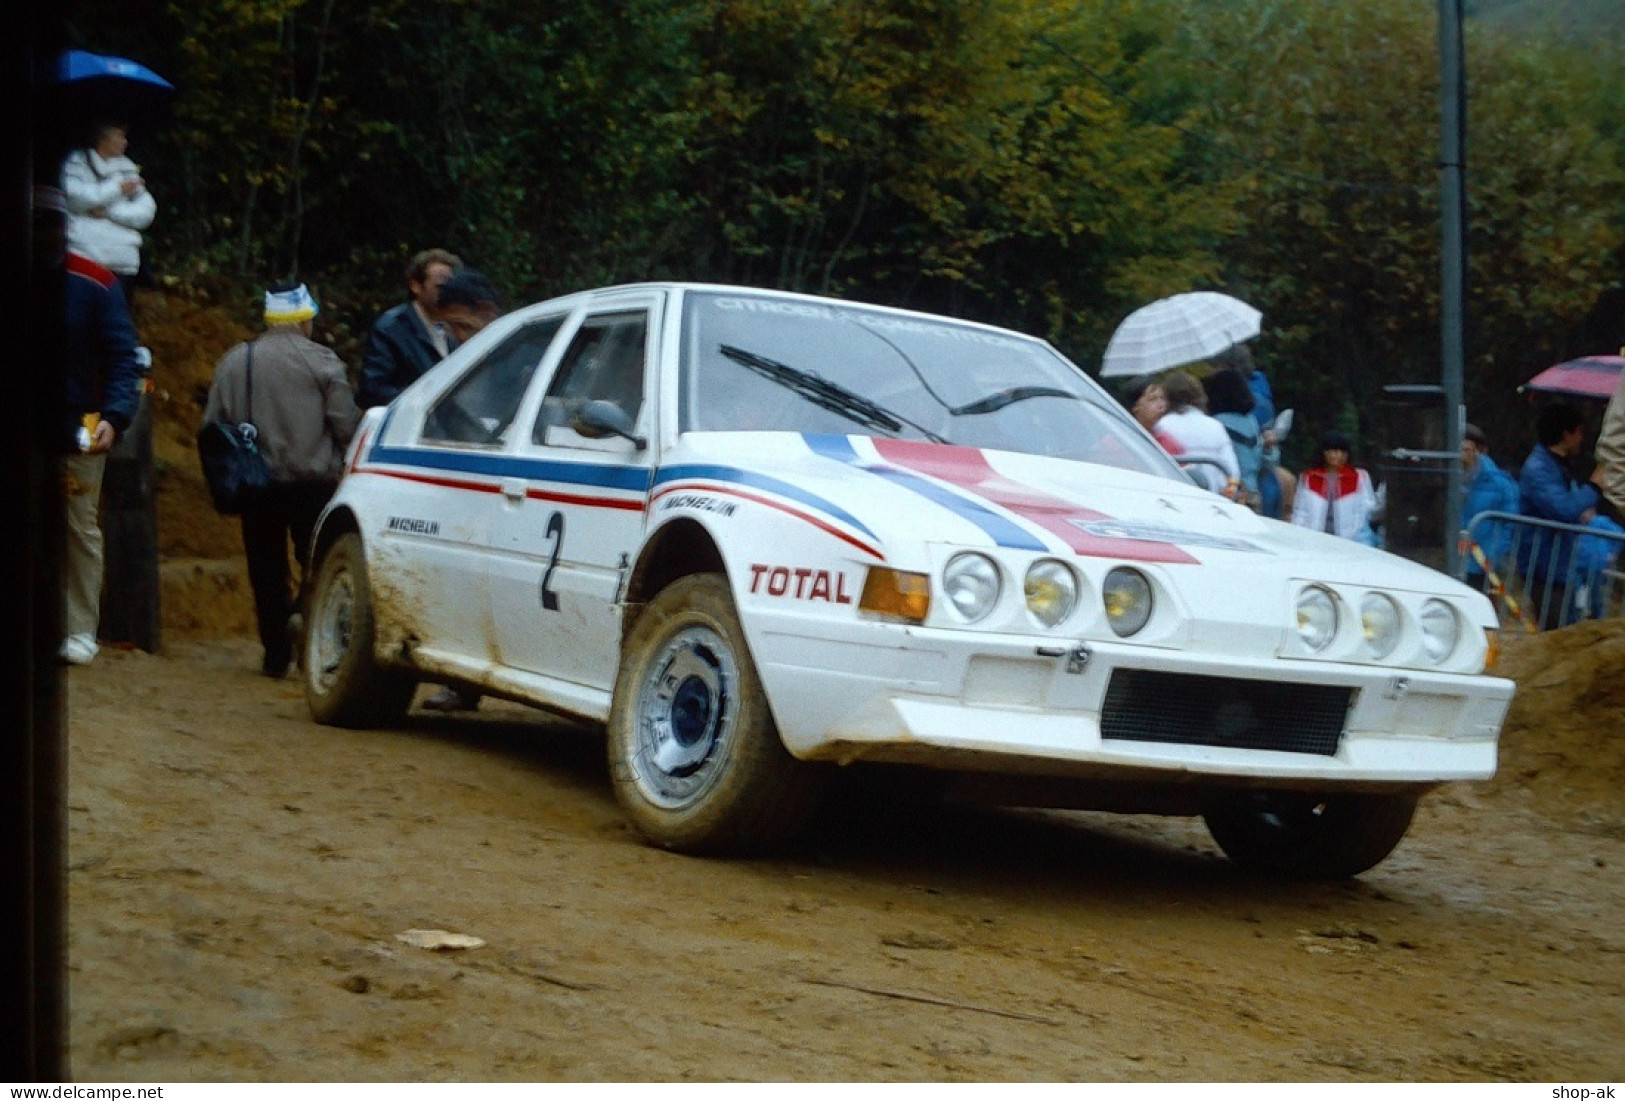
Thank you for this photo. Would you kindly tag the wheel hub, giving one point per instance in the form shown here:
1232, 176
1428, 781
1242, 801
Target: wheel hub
330, 631
684, 709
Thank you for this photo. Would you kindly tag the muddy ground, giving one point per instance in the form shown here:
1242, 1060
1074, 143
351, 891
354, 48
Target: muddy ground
240, 879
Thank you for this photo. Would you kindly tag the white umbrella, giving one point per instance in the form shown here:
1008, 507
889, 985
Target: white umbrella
1174, 331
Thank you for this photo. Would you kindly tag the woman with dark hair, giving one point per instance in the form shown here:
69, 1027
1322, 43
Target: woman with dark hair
1143, 397
1334, 496
1230, 401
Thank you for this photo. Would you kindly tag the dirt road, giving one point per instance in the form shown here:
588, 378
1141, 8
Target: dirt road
240, 877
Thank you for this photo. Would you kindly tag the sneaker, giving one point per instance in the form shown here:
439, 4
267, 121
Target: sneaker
448, 698
78, 649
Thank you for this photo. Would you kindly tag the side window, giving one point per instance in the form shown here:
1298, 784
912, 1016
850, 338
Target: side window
479, 409
605, 362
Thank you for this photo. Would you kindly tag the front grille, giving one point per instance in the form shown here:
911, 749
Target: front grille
1187, 709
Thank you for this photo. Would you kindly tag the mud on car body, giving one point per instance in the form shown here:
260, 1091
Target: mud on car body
761, 536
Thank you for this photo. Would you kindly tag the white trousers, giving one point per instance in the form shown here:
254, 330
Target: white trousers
82, 550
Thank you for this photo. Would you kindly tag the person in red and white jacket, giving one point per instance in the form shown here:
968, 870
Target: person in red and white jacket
1334, 496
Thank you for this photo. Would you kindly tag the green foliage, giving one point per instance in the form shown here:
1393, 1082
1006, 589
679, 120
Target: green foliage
980, 157
1046, 164
1329, 113
1577, 23
949, 155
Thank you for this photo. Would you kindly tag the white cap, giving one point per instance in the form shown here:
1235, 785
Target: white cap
289, 306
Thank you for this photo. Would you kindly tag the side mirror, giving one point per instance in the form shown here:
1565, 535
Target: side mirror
597, 419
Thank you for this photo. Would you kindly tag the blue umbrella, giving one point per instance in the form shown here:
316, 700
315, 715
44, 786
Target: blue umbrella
94, 88
77, 65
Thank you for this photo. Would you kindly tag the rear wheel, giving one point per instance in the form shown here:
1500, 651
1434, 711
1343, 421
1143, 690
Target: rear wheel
1308, 835
697, 762
344, 683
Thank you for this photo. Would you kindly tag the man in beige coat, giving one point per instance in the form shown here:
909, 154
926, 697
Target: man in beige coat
297, 395
1609, 475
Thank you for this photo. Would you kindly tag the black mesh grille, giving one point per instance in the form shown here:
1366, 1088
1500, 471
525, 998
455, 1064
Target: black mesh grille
1187, 709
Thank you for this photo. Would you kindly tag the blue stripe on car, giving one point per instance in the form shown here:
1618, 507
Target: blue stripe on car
605, 476
1002, 530
598, 475
738, 476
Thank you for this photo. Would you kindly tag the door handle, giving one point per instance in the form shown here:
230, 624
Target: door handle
513, 489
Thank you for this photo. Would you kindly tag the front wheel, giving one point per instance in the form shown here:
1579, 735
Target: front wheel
1308, 835
697, 762
344, 683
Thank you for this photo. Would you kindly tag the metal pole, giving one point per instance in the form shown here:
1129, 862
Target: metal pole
33, 787
1453, 266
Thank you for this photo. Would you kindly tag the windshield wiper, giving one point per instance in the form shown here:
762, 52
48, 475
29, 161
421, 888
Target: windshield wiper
824, 393
994, 402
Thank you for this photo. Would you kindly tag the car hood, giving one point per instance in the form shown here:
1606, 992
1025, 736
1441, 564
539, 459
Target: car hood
892, 497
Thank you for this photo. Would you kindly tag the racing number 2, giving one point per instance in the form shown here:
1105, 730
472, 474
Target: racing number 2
555, 533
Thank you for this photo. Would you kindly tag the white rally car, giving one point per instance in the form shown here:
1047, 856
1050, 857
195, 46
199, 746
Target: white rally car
763, 535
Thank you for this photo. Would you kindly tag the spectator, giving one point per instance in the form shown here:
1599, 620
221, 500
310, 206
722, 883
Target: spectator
407, 339
1335, 496
102, 379
1275, 482
1144, 399
1609, 475
1195, 440
467, 302
108, 203
1230, 402
1239, 358
1485, 488
297, 394
1549, 490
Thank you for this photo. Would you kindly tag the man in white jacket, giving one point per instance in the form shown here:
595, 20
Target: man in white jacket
108, 203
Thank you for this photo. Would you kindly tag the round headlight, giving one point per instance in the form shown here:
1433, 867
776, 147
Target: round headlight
1441, 630
1317, 618
1126, 595
971, 583
1379, 622
1051, 590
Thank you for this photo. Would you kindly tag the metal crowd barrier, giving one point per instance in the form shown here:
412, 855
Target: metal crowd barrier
1541, 574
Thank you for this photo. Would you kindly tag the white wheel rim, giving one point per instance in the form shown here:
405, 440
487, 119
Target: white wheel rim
330, 631
683, 715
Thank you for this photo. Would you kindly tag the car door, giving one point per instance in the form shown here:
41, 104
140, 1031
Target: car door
445, 507
567, 528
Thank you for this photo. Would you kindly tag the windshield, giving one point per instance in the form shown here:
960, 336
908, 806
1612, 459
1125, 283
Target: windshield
759, 363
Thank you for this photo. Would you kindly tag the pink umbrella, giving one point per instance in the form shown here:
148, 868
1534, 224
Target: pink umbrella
1586, 377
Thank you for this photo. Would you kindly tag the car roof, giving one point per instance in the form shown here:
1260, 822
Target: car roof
684, 287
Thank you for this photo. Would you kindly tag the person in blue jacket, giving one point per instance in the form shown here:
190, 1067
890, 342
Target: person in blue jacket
1230, 402
1272, 500
1549, 490
102, 374
1485, 488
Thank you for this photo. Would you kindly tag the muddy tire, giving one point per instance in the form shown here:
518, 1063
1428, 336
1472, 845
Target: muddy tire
1306, 835
697, 762
344, 683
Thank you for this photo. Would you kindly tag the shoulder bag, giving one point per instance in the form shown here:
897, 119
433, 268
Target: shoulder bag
233, 464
